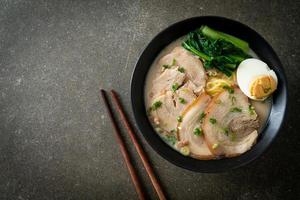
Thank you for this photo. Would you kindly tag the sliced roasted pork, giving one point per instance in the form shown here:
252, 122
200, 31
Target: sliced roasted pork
190, 133
190, 64
230, 126
171, 106
183, 97
164, 81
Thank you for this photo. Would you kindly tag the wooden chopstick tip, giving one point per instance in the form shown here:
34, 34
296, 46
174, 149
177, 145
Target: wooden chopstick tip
113, 92
102, 90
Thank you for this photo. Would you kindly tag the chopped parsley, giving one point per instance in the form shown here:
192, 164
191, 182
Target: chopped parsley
179, 118
229, 89
235, 109
198, 132
175, 87
181, 69
182, 100
212, 120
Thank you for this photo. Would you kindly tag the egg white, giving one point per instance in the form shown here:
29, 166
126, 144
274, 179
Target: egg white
248, 70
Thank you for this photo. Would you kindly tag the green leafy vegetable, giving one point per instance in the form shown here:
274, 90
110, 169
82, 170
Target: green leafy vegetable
217, 49
229, 38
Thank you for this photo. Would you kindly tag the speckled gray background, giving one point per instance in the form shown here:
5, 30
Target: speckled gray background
55, 139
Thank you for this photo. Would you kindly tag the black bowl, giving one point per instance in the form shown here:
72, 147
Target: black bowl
260, 47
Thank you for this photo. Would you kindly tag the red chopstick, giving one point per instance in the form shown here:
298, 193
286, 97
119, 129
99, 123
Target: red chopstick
138, 147
124, 151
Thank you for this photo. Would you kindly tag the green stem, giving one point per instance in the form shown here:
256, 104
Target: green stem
236, 58
195, 51
209, 32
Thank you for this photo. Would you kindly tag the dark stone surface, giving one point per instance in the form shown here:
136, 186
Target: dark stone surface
55, 139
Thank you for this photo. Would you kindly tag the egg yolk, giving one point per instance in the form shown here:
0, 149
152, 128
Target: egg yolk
262, 86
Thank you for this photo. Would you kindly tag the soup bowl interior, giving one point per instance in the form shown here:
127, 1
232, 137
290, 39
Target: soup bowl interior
257, 43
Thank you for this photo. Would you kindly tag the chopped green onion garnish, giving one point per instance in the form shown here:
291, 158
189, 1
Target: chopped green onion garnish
226, 131
166, 66
156, 105
175, 87
198, 131
185, 150
229, 89
215, 146
173, 62
251, 110
212, 120
201, 117
233, 100
179, 118
232, 136
181, 69
182, 100
171, 139
235, 109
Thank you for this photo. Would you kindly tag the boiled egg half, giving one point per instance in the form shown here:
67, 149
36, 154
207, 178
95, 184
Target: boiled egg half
256, 79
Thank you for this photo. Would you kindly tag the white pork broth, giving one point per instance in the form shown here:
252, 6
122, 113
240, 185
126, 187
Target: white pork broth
262, 108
